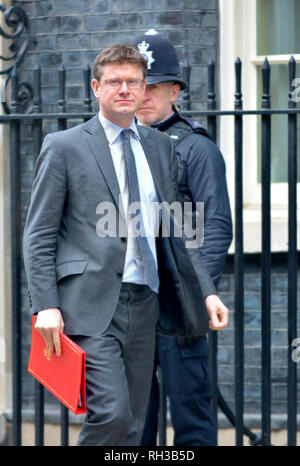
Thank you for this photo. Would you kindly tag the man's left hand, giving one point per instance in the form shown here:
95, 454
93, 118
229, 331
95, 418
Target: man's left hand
217, 312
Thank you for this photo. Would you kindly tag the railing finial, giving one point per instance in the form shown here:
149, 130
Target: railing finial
292, 76
238, 103
266, 72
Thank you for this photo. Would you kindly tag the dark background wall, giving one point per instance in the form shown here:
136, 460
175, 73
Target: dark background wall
72, 32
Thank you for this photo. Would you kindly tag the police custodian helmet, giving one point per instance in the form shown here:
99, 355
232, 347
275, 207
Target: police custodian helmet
161, 57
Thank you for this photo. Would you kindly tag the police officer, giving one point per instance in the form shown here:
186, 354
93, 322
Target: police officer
184, 361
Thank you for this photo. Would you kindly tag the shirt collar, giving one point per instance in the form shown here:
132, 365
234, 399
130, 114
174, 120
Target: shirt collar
112, 131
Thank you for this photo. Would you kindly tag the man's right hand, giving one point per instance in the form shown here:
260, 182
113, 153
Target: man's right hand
49, 322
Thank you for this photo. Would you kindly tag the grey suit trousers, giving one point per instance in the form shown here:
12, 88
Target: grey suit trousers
119, 365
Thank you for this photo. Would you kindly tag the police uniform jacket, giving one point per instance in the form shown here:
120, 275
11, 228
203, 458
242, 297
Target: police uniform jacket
202, 178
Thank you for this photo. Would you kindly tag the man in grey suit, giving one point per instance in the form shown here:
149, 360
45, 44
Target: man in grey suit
101, 286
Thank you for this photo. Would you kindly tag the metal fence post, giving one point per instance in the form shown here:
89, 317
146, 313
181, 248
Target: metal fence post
37, 141
15, 212
266, 257
62, 124
212, 336
292, 262
239, 260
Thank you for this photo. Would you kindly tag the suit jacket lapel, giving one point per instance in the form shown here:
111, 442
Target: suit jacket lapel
100, 149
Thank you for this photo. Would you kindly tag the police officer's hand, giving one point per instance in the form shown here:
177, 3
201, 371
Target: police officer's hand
217, 311
49, 322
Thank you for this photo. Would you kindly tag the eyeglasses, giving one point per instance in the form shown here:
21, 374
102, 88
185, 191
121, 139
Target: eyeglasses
132, 83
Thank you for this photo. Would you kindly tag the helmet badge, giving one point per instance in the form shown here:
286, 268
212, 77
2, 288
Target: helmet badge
147, 54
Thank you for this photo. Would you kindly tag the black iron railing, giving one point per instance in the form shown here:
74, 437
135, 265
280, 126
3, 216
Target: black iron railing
36, 118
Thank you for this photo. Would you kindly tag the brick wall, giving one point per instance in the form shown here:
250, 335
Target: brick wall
72, 32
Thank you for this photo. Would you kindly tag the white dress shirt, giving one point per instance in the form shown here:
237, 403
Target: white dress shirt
134, 269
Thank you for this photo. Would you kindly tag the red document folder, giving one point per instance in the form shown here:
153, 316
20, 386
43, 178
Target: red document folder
63, 376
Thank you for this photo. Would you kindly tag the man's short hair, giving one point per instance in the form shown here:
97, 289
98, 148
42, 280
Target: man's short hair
118, 53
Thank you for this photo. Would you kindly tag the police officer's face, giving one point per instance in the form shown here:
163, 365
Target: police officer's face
157, 103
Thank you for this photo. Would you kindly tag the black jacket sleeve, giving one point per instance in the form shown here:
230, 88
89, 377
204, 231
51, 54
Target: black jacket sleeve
202, 173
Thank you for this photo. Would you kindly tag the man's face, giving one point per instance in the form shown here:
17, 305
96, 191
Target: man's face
157, 102
119, 103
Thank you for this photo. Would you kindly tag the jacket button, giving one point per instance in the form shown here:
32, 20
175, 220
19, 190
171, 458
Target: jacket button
119, 274
123, 240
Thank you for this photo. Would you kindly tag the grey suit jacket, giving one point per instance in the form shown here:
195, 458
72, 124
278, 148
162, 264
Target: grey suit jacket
67, 264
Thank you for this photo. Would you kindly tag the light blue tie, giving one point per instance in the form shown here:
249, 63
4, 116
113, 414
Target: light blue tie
134, 196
